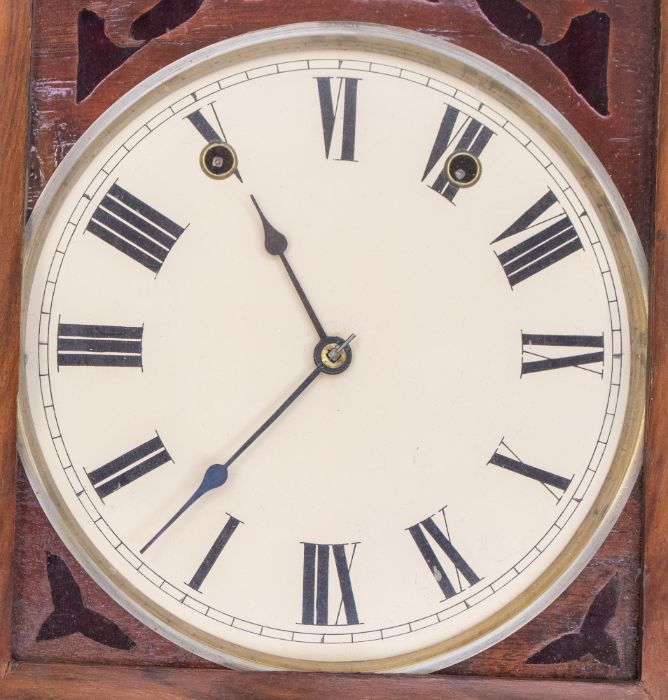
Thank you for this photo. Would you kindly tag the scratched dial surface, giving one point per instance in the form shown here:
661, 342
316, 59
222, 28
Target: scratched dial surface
198, 432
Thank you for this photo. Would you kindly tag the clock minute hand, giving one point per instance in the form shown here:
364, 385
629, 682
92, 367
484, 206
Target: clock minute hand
216, 475
276, 243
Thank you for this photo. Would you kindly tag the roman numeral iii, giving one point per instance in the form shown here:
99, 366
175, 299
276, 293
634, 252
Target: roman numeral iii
135, 228
215, 552
537, 349
99, 346
338, 115
316, 593
129, 467
451, 572
457, 133
547, 234
505, 458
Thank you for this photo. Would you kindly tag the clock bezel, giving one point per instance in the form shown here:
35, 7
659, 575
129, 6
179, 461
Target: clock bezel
513, 94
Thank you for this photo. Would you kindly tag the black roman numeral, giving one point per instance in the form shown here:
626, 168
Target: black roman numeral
536, 348
215, 551
99, 346
458, 132
550, 238
514, 464
133, 227
210, 127
316, 590
450, 582
346, 92
129, 467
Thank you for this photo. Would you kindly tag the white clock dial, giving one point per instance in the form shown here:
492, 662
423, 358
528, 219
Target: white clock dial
333, 352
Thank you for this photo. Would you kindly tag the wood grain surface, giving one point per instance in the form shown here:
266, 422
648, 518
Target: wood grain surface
655, 619
14, 74
624, 141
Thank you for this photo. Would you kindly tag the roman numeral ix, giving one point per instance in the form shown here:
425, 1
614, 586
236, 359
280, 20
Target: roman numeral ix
339, 115
316, 584
505, 458
536, 349
457, 133
215, 552
134, 228
129, 467
548, 237
451, 572
99, 346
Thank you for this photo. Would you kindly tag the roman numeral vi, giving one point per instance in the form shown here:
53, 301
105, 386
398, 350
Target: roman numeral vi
339, 115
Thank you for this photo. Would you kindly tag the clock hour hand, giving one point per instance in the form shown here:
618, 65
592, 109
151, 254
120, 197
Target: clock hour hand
216, 475
276, 243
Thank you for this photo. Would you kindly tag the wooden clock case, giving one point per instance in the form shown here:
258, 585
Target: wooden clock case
599, 62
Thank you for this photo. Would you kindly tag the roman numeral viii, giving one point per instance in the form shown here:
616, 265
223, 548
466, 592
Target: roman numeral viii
338, 115
457, 133
548, 237
129, 467
537, 348
99, 346
215, 552
451, 572
316, 587
135, 228
505, 458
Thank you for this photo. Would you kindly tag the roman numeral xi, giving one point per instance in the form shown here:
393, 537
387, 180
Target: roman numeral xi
99, 346
316, 592
457, 133
338, 116
134, 228
547, 236
130, 466
450, 570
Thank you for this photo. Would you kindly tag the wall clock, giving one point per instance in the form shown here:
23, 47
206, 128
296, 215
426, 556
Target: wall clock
339, 135
334, 344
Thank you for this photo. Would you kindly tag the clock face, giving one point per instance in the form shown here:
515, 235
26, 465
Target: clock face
333, 352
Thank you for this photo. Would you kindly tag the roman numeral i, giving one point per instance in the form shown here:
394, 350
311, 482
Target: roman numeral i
316, 591
214, 553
